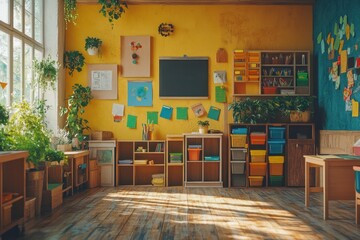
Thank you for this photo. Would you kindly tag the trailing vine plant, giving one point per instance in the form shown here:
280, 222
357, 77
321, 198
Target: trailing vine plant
70, 11
113, 9
74, 60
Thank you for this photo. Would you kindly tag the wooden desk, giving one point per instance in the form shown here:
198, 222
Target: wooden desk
338, 178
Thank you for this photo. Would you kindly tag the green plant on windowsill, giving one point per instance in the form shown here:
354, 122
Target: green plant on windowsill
4, 118
73, 60
113, 9
77, 102
92, 45
70, 11
45, 73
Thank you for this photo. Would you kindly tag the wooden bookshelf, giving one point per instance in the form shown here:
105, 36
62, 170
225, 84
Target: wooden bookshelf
174, 166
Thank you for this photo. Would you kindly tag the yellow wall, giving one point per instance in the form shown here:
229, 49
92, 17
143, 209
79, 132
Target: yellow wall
199, 31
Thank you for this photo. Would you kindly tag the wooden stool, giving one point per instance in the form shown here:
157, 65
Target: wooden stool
357, 193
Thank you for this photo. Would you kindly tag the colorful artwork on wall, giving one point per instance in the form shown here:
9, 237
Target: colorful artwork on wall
140, 93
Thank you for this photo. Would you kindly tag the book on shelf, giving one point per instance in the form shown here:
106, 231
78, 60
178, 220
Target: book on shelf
194, 146
126, 161
159, 147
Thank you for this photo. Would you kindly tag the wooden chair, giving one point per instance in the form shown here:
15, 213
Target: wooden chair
357, 193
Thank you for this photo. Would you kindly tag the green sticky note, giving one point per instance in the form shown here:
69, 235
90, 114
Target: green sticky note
319, 37
182, 113
337, 42
336, 28
131, 121
152, 117
345, 20
220, 94
352, 30
214, 113
341, 19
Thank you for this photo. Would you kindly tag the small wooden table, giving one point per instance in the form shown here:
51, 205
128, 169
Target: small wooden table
338, 178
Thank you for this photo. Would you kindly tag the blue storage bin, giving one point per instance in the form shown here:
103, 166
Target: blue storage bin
357, 181
276, 146
239, 131
277, 132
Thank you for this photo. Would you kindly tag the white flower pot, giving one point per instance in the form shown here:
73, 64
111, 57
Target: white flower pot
203, 130
93, 51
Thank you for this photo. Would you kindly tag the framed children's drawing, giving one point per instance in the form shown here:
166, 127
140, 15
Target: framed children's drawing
102, 80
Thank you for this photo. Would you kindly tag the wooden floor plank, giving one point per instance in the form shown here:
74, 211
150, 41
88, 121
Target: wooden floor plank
193, 213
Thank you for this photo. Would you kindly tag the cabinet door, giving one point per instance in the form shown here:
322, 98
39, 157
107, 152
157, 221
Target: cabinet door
296, 161
107, 175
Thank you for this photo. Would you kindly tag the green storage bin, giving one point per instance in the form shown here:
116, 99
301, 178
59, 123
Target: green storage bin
276, 181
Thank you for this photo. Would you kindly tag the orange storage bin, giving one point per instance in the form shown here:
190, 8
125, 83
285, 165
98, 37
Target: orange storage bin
276, 165
258, 155
258, 169
257, 138
256, 181
194, 154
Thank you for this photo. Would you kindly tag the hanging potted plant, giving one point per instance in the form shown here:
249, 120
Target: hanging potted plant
45, 73
70, 11
203, 126
92, 45
74, 122
73, 60
113, 9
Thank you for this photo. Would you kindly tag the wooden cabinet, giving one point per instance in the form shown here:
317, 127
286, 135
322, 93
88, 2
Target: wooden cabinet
12, 190
203, 160
301, 141
104, 152
174, 160
271, 73
80, 163
138, 161
94, 174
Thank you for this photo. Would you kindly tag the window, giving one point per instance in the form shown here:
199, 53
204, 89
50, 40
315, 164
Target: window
21, 40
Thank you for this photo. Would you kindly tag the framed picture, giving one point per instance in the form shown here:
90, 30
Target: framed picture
103, 80
140, 93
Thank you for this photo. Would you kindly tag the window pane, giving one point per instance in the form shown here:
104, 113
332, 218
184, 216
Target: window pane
4, 66
28, 17
4, 11
18, 15
39, 20
17, 70
38, 56
28, 73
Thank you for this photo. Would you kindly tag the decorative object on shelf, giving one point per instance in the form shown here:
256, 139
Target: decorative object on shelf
221, 56
73, 60
166, 29
219, 77
203, 126
135, 56
70, 11
140, 93
198, 109
77, 102
147, 131
102, 78
113, 9
45, 73
92, 45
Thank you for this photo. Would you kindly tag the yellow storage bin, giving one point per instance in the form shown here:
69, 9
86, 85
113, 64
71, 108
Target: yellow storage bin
258, 156
256, 181
238, 140
276, 159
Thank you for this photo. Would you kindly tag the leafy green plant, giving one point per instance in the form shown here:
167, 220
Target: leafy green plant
113, 9
45, 73
4, 115
252, 110
26, 131
203, 123
60, 137
70, 11
295, 103
74, 60
77, 102
92, 42
54, 155
4, 118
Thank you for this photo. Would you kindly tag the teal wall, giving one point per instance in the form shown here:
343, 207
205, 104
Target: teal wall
331, 112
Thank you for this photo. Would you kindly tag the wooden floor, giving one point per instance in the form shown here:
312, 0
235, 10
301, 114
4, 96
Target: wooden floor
194, 213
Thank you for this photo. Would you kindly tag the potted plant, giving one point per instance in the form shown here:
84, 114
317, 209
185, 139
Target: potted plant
45, 73
203, 126
113, 9
77, 102
251, 110
73, 60
299, 108
61, 141
92, 45
54, 157
4, 118
70, 11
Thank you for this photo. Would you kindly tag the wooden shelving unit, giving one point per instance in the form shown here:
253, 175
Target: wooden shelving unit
139, 174
271, 73
204, 171
12, 180
80, 164
174, 170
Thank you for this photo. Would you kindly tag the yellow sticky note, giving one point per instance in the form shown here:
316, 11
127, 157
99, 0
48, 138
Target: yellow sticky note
343, 61
328, 38
355, 108
347, 31
341, 45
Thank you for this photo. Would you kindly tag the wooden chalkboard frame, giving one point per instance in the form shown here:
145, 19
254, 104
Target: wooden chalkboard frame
183, 77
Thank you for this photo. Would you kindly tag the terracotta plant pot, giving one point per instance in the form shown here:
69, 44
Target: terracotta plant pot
296, 116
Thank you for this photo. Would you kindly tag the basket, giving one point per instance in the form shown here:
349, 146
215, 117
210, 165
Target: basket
276, 165
194, 154
256, 181
277, 132
257, 155
238, 154
276, 181
238, 140
276, 146
101, 135
257, 138
258, 169
238, 167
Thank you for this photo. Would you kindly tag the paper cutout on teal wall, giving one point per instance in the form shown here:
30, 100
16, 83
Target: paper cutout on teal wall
131, 121
182, 113
152, 117
319, 37
166, 112
214, 113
